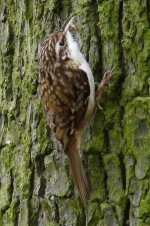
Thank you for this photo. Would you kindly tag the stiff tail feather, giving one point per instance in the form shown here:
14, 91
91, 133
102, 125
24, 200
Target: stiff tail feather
78, 173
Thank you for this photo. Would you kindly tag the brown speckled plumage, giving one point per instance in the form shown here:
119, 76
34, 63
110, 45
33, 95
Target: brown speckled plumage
64, 89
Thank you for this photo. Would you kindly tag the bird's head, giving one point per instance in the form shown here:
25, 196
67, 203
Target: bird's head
59, 46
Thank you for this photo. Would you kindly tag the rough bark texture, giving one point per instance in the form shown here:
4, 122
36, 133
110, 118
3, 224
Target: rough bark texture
35, 186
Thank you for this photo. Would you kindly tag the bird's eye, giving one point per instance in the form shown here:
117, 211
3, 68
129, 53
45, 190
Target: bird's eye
62, 43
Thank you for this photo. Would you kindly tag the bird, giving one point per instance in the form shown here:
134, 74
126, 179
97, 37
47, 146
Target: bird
67, 91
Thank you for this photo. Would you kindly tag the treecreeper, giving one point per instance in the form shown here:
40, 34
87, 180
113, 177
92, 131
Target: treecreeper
67, 91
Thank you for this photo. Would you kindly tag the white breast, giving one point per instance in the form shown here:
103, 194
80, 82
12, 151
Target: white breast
80, 59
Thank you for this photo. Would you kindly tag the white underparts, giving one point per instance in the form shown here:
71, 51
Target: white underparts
78, 57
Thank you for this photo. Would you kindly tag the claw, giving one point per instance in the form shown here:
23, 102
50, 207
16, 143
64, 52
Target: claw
105, 81
100, 107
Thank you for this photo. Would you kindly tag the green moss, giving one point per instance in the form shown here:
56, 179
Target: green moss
108, 37
114, 178
71, 213
105, 207
129, 162
22, 173
109, 215
108, 23
94, 214
135, 26
97, 176
136, 134
144, 209
48, 210
34, 205
11, 214
24, 213
5, 191
89, 33
28, 9
57, 180
141, 223
97, 142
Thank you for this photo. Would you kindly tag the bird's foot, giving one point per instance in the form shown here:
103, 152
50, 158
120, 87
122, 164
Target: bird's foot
105, 81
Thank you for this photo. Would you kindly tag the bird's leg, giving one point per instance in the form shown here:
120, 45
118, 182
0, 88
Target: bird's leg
105, 81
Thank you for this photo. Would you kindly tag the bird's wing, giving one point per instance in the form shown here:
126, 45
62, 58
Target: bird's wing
65, 98
74, 107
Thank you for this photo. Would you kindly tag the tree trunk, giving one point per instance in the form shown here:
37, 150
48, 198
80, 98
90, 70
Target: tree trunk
36, 188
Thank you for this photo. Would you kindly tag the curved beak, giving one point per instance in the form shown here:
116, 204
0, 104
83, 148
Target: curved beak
70, 23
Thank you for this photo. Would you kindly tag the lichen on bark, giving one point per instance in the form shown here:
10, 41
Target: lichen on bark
35, 183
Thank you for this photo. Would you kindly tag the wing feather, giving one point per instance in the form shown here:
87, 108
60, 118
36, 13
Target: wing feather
65, 103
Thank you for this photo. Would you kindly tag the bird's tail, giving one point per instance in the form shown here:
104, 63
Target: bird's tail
78, 172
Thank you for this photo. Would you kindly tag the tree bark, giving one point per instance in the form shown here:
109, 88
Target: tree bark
35, 184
